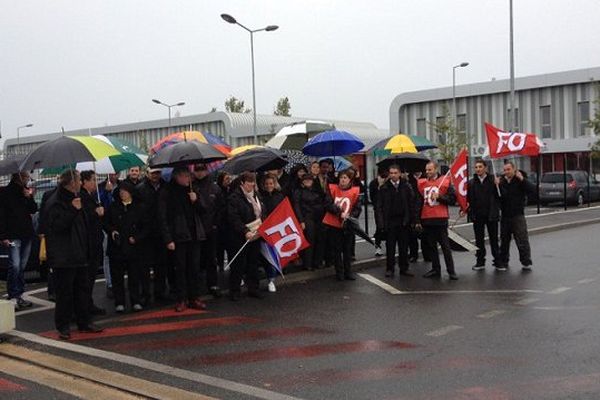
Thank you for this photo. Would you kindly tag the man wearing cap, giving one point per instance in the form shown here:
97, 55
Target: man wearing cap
209, 195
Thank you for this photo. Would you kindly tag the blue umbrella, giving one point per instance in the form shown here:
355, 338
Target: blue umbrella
339, 163
333, 143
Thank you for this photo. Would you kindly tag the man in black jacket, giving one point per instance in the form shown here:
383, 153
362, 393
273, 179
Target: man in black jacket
483, 197
395, 213
309, 207
181, 226
69, 248
209, 195
95, 212
16, 233
155, 252
374, 187
514, 188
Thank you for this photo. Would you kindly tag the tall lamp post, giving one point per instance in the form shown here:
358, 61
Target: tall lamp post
19, 133
270, 28
454, 112
169, 106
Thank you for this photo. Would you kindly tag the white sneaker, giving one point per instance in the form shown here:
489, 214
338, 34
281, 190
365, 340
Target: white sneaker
378, 251
526, 268
137, 307
120, 308
272, 288
242, 283
14, 303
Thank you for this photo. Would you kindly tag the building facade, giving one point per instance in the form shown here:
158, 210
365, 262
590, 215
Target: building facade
557, 107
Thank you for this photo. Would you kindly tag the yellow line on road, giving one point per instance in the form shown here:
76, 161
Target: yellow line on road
91, 375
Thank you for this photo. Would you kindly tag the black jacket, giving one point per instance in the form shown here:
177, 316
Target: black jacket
128, 221
240, 213
209, 194
483, 198
15, 216
148, 195
90, 203
43, 216
395, 206
309, 205
514, 196
67, 238
271, 200
179, 219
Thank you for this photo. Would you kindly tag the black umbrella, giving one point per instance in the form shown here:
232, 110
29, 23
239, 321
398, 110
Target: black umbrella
185, 153
10, 165
408, 162
258, 159
353, 225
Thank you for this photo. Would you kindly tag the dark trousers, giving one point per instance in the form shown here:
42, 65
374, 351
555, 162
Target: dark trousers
135, 278
187, 270
245, 266
396, 236
479, 226
209, 259
341, 240
222, 248
515, 227
93, 270
312, 257
435, 234
156, 259
72, 294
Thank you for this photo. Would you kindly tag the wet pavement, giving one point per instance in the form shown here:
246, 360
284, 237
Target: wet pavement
490, 335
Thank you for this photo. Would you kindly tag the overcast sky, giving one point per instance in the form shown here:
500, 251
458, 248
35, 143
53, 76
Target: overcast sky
81, 64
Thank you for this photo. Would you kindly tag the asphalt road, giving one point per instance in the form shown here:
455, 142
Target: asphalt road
493, 336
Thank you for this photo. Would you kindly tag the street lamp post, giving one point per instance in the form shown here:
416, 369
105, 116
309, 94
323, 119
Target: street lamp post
454, 112
19, 133
169, 106
228, 18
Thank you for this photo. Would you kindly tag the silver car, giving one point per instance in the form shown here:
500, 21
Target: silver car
552, 188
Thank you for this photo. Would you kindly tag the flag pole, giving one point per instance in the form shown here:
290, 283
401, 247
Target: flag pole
494, 174
236, 255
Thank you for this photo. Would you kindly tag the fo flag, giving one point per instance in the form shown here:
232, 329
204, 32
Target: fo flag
283, 232
459, 176
504, 144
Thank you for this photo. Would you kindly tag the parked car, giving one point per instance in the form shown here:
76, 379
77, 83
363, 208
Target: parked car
552, 187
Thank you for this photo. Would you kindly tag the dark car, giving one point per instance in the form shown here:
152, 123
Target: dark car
552, 187
34, 269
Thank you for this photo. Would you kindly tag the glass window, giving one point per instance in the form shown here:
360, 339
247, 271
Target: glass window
583, 117
461, 122
421, 127
556, 178
441, 136
546, 122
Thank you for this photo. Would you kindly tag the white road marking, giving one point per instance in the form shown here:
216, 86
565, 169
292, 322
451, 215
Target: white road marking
156, 367
565, 308
444, 331
470, 291
560, 290
491, 314
381, 284
587, 280
525, 302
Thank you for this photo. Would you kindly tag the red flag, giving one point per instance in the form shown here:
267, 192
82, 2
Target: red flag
282, 230
459, 175
504, 144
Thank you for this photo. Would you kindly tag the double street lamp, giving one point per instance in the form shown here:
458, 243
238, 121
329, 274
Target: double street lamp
228, 18
169, 106
19, 133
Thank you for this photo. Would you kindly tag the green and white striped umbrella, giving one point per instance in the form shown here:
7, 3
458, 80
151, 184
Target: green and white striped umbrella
131, 156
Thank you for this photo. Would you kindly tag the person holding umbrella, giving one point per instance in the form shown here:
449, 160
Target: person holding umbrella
437, 194
395, 214
69, 248
179, 214
244, 209
342, 202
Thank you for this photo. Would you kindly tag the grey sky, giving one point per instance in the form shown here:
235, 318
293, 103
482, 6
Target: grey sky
80, 64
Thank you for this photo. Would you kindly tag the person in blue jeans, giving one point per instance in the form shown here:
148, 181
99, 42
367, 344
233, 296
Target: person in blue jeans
16, 232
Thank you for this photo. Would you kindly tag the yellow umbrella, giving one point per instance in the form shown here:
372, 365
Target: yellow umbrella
241, 149
401, 143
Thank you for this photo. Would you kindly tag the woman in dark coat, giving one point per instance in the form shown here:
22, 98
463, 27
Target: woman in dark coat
271, 196
244, 207
127, 227
309, 208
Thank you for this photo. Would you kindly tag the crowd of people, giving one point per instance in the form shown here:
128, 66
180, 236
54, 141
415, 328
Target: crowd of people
173, 239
